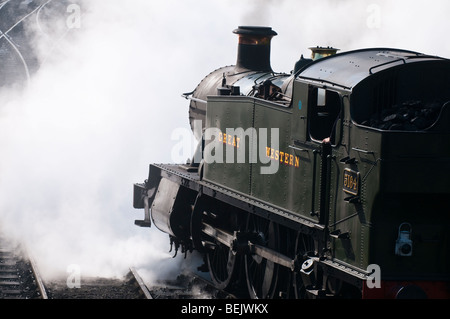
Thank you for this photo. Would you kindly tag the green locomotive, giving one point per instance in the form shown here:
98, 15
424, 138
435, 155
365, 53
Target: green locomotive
329, 181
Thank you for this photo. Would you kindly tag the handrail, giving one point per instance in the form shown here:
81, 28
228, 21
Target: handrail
188, 97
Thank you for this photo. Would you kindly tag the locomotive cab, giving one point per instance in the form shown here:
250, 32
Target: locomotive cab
391, 151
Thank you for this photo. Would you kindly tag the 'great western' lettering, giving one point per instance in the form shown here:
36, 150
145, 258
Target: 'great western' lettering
229, 139
283, 157
237, 145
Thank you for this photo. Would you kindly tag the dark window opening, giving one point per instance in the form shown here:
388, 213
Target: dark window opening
324, 108
408, 99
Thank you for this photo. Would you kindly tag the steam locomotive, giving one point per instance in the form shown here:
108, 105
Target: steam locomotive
328, 181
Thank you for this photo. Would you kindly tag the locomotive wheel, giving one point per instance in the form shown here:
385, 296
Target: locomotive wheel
222, 265
262, 274
304, 245
221, 262
196, 223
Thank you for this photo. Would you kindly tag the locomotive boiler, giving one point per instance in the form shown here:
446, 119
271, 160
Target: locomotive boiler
327, 181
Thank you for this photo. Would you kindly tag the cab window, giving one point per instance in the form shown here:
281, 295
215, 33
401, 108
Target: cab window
324, 108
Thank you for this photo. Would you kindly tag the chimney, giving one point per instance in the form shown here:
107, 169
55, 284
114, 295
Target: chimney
254, 48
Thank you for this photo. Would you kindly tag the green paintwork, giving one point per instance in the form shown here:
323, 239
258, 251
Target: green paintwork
396, 170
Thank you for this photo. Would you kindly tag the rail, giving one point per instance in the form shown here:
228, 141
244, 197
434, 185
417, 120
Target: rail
19, 272
134, 276
38, 278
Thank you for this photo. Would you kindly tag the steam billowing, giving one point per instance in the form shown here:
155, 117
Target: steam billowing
106, 102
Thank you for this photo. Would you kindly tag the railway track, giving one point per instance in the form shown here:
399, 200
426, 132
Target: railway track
188, 286
185, 286
135, 279
20, 279
19, 275
21, 23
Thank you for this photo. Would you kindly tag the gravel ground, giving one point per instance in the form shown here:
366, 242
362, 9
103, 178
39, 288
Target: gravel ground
93, 288
181, 287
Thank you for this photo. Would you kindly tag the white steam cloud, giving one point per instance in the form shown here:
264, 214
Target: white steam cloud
107, 99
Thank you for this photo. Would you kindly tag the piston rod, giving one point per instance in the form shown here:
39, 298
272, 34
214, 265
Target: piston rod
241, 242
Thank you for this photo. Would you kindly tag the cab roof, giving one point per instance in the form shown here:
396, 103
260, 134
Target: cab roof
345, 70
